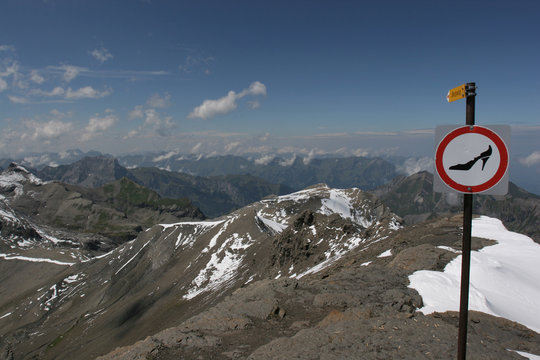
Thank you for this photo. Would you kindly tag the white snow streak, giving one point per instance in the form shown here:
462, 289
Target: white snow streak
527, 355
26, 258
200, 223
133, 257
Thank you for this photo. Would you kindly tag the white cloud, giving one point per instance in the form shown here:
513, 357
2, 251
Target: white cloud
231, 146
254, 104
265, 160
157, 101
59, 115
161, 126
256, 88
414, 165
10, 68
165, 156
531, 160
97, 125
70, 71
312, 154
131, 134
35, 77
57, 91
288, 162
226, 104
136, 113
152, 117
3, 85
48, 130
7, 48
17, 99
195, 62
360, 152
211, 108
196, 148
86, 92
265, 137
101, 55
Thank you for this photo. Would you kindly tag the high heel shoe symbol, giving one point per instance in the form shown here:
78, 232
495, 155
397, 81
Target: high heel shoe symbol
468, 165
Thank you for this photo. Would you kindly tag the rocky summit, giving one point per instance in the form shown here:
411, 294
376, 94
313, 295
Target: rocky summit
317, 274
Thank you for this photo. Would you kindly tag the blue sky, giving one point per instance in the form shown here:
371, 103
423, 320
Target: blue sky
307, 77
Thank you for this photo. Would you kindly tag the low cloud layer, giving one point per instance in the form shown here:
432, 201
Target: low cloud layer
531, 160
414, 165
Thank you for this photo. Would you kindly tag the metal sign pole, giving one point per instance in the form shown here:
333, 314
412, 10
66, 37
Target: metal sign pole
466, 246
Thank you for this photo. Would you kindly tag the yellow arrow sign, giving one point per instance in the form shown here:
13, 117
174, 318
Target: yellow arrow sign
456, 93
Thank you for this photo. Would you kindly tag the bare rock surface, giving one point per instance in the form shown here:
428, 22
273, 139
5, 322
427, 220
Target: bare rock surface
348, 311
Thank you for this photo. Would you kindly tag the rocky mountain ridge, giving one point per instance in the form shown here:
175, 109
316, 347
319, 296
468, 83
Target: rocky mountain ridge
172, 271
320, 273
361, 307
301, 275
117, 211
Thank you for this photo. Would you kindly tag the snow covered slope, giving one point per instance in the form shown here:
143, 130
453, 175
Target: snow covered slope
505, 278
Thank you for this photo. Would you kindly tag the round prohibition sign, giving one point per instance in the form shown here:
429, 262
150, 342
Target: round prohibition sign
463, 184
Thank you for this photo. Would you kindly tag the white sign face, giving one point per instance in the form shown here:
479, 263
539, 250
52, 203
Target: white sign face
471, 159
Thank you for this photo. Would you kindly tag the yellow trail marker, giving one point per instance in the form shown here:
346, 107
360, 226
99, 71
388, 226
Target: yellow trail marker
456, 93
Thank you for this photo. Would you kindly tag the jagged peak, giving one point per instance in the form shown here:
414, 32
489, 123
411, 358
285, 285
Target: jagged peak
17, 175
15, 167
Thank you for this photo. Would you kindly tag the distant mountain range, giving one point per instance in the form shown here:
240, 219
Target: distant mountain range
257, 164
411, 197
227, 183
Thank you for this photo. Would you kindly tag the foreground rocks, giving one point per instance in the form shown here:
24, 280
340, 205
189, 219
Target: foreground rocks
352, 310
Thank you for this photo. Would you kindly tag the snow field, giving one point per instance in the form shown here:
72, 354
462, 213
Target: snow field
504, 278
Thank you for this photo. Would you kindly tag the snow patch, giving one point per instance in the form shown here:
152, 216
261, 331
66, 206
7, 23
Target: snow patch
17, 177
337, 251
448, 248
9, 216
297, 196
222, 267
504, 282
273, 225
385, 253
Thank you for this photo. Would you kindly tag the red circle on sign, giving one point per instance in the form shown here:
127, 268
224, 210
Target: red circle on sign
503, 164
